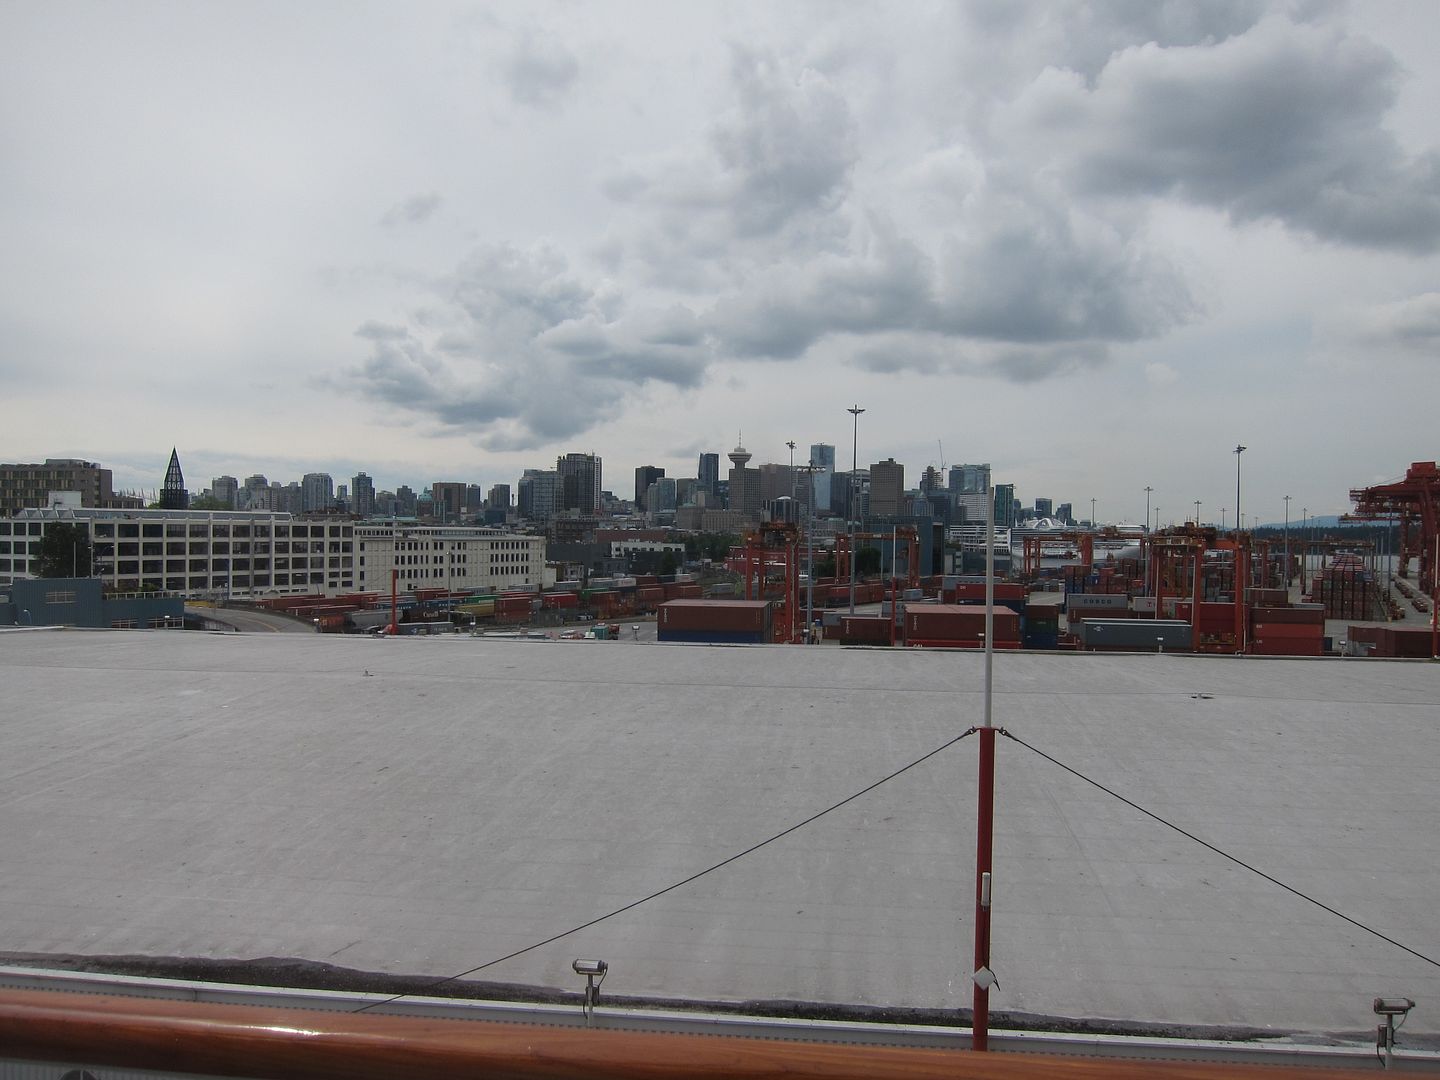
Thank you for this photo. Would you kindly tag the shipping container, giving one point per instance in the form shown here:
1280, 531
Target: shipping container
864, 630
742, 616
1109, 601
958, 622
1133, 635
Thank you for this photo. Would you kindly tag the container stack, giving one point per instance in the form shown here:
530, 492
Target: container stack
1392, 642
1288, 631
1345, 588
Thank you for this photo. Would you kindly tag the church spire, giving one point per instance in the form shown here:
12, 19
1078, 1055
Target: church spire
174, 496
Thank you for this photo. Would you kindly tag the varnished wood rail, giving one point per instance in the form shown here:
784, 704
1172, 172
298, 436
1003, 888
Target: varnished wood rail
296, 1044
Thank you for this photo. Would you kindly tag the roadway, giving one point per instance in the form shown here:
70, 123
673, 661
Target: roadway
249, 622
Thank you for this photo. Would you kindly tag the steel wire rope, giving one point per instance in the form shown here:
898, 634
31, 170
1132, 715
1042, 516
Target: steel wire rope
1223, 854
678, 884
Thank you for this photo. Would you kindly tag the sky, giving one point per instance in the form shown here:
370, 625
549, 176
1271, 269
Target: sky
1098, 245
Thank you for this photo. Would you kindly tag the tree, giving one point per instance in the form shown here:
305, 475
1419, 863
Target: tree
867, 561
64, 551
668, 562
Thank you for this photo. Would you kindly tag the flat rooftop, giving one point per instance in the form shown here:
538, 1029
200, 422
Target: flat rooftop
423, 806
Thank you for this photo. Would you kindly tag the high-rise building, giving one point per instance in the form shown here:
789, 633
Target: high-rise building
744, 483
579, 482
499, 497
1004, 505
776, 482
822, 457
1066, 513
255, 493
662, 496
708, 474
24, 486
538, 495
931, 480
226, 491
447, 499
317, 492
969, 479
1044, 507
887, 485
645, 475
407, 503
173, 495
363, 495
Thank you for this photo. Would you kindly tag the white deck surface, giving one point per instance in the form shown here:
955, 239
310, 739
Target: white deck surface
189, 795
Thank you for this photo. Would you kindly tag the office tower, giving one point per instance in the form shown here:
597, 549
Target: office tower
645, 475
822, 456
538, 495
317, 492
709, 474
887, 485
226, 491
969, 479
499, 497
362, 495
579, 482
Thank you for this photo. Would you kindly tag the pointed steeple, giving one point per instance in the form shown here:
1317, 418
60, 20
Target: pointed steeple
174, 496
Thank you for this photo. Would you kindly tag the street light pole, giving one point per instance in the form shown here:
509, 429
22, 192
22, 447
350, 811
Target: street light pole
791, 445
1148, 490
854, 412
1304, 544
1239, 521
1287, 549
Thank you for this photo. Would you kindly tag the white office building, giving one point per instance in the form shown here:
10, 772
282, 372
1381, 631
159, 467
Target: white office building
452, 557
197, 552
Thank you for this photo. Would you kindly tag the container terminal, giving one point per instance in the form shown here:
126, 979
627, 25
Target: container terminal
1191, 588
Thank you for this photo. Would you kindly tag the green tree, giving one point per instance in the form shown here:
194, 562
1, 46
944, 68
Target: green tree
668, 562
867, 562
64, 551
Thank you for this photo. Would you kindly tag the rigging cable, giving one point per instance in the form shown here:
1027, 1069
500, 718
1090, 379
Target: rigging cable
678, 884
1224, 854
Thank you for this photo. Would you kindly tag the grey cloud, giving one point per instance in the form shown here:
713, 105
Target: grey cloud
521, 351
1284, 121
1027, 365
1020, 268
774, 165
1413, 324
781, 313
789, 148
1032, 268
931, 354
412, 211
540, 72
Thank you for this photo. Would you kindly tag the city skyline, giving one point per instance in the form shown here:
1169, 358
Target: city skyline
1096, 247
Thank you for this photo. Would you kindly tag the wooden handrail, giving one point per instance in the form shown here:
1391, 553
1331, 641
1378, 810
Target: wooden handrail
296, 1044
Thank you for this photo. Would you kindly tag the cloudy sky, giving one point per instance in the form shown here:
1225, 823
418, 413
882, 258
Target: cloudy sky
1096, 244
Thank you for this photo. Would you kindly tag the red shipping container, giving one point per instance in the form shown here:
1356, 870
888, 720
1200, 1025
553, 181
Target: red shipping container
866, 628
958, 622
739, 615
